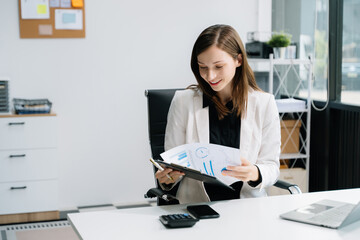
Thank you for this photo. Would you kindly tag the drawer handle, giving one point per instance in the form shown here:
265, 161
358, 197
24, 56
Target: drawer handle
16, 123
17, 156
18, 188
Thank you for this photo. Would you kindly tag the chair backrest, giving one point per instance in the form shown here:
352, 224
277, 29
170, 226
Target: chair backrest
159, 101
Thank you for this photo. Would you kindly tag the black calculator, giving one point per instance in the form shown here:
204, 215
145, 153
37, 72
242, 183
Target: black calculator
178, 220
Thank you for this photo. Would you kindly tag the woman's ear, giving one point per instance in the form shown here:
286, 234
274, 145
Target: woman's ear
239, 60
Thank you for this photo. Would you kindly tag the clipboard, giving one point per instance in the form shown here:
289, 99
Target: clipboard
194, 174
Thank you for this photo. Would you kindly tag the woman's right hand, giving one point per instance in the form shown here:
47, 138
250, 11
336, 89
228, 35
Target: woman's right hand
163, 178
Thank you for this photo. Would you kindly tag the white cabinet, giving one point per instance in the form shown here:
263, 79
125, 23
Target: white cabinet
289, 79
28, 164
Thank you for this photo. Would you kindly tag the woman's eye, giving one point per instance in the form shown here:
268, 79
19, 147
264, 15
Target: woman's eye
203, 68
218, 67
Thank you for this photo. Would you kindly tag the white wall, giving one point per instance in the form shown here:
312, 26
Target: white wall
97, 84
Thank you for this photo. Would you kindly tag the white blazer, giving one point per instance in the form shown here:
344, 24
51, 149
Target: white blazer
260, 139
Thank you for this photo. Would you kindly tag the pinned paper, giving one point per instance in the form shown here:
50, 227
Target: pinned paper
77, 3
54, 3
35, 9
65, 3
68, 19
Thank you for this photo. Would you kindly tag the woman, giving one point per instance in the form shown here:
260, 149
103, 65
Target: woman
228, 108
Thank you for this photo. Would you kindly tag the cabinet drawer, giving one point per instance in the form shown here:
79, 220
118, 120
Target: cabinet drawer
23, 165
27, 132
23, 197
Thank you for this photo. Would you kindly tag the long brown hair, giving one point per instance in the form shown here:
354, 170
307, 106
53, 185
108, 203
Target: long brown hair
227, 39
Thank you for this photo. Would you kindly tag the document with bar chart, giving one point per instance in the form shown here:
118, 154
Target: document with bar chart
209, 159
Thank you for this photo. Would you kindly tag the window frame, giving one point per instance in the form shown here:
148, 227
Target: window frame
335, 49
336, 11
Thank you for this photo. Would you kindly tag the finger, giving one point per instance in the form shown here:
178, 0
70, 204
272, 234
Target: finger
169, 181
167, 170
177, 173
165, 179
231, 168
162, 180
245, 162
159, 175
164, 172
239, 175
237, 168
176, 176
240, 169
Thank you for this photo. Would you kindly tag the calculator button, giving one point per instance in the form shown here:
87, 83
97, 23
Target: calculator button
177, 220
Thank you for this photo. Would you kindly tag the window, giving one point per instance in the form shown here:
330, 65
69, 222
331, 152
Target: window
350, 77
307, 22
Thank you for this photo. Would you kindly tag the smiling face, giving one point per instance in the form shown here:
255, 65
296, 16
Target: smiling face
218, 68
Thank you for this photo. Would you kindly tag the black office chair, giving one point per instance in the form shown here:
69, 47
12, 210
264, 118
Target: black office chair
159, 101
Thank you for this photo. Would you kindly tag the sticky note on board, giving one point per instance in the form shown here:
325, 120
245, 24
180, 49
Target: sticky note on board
77, 3
41, 9
45, 29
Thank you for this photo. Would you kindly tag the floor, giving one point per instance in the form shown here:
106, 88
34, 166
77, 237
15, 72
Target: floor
55, 230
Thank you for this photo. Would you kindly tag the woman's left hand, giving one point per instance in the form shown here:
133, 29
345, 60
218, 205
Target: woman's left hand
245, 172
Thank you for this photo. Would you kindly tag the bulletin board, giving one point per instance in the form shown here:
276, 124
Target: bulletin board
62, 21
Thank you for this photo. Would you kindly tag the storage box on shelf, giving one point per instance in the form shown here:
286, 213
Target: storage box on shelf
28, 172
290, 133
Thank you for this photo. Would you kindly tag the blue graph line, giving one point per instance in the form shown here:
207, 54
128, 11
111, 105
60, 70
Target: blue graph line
205, 168
182, 156
212, 170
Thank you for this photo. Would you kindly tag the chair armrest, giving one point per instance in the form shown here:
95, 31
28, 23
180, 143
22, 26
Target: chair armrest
292, 188
156, 192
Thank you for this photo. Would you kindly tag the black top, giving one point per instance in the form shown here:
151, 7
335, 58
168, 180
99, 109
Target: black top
225, 132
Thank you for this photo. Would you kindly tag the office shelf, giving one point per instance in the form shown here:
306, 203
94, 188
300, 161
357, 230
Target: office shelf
288, 79
292, 111
293, 155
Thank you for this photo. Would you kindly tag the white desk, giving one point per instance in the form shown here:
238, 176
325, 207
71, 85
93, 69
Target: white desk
256, 218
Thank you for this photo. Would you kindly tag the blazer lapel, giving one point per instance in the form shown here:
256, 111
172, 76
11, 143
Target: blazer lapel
202, 119
246, 129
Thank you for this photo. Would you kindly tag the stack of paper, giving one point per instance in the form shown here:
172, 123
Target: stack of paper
290, 105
